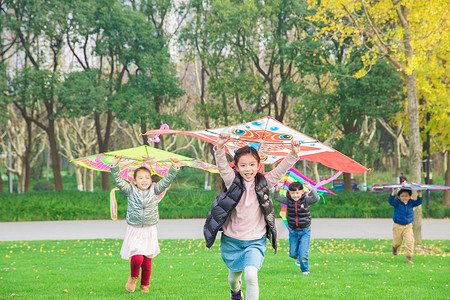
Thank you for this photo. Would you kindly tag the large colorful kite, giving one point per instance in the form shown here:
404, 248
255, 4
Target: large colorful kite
273, 139
410, 186
156, 160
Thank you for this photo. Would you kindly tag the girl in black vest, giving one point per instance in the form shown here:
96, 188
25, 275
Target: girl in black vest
298, 217
244, 211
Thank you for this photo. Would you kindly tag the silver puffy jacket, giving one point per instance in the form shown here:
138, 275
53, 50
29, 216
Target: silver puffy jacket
142, 204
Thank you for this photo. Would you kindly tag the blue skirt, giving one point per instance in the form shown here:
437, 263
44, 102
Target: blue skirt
238, 254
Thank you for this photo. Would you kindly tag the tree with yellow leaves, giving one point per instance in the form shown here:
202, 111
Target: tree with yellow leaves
411, 35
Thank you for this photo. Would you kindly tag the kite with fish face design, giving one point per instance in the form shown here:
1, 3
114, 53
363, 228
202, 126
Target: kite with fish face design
273, 139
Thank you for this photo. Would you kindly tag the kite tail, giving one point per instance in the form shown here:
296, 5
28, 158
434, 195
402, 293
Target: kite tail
323, 182
156, 139
323, 198
113, 203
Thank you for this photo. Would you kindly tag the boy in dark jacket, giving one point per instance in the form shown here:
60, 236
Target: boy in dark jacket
298, 217
403, 217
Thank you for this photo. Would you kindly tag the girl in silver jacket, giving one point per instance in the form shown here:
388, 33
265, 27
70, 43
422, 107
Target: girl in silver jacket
141, 239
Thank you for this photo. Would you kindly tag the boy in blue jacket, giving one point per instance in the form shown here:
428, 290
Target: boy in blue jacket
403, 217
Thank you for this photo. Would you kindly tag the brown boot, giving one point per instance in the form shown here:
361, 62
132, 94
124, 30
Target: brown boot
131, 284
394, 250
409, 260
144, 288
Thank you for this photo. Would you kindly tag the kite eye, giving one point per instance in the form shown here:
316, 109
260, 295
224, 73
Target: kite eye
286, 137
239, 132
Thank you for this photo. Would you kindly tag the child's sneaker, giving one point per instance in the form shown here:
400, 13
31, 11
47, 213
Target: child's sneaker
305, 272
394, 251
409, 260
297, 262
144, 288
236, 295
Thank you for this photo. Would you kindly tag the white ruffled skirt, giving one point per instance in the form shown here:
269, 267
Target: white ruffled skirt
140, 241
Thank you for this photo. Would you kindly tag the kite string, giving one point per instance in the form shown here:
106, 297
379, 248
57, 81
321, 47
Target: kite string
323, 182
156, 139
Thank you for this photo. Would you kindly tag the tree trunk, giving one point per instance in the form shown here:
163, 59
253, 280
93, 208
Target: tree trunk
79, 178
1, 184
90, 180
315, 171
364, 182
27, 171
415, 161
397, 157
27, 157
56, 167
47, 165
347, 181
103, 143
446, 200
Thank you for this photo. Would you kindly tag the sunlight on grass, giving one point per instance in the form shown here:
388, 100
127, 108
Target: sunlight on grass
185, 269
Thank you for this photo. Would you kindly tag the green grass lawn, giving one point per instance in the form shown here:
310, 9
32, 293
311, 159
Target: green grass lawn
185, 269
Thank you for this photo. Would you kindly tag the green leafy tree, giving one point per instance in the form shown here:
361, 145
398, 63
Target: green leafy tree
345, 102
126, 74
397, 31
250, 54
153, 84
39, 35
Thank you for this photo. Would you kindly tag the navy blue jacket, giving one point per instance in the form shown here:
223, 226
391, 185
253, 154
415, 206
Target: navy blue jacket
298, 214
403, 213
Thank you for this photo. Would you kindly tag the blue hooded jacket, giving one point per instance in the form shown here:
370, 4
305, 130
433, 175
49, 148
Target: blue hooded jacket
403, 213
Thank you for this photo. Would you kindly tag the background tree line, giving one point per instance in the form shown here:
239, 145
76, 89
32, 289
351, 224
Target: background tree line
81, 77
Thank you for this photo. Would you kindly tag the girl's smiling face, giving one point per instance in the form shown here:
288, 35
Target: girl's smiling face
143, 179
247, 166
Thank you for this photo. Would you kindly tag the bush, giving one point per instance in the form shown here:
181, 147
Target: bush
187, 203
43, 186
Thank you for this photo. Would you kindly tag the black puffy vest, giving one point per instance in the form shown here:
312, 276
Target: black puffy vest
300, 217
227, 200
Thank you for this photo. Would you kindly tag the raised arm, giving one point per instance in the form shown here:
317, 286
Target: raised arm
276, 174
121, 183
391, 199
225, 171
166, 180
419, 199
278, 197
314, 195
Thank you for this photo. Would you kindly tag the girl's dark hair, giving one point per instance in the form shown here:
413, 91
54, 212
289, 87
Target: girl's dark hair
404, 191
141, 169
246, 150
296, 186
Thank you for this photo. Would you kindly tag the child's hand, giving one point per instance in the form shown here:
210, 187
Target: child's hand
223, 138
393, 192
116, 159
174, 162
419, 193
307, 185
280, 185
295, 147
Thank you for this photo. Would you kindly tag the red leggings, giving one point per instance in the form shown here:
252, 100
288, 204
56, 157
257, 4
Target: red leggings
138, 262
